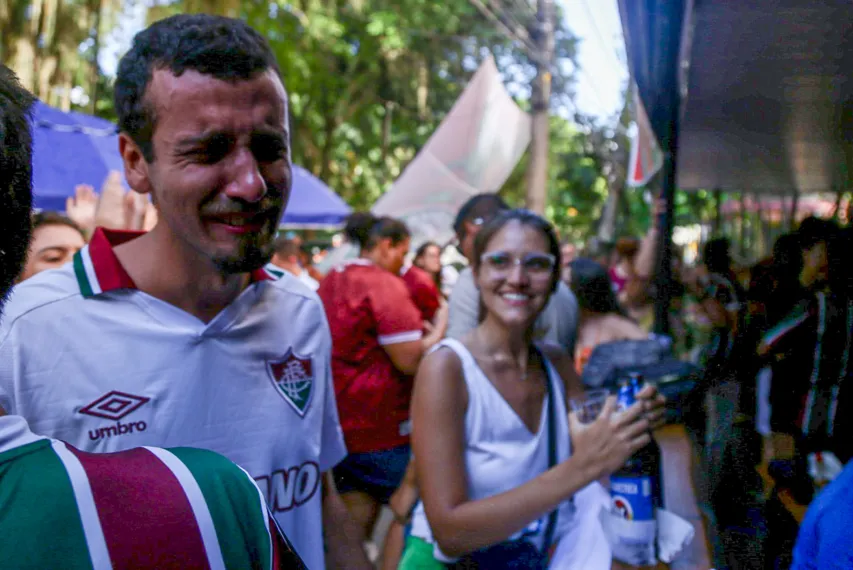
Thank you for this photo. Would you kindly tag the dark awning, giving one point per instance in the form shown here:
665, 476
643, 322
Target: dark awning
767, 97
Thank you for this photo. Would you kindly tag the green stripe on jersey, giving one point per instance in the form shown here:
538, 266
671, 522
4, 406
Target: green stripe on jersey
274, 271
36, 473
80, 273
235, 506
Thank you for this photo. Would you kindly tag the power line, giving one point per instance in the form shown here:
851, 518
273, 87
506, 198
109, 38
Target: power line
508, 15
513, 35
599, 35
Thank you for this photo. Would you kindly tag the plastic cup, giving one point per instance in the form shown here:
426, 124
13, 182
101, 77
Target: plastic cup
588, 406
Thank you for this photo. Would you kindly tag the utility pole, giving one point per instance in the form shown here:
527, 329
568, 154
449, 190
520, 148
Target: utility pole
537, 171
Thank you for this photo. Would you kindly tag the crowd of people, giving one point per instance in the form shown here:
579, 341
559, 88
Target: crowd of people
180, 389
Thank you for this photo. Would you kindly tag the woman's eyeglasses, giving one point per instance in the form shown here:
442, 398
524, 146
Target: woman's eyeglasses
534, 265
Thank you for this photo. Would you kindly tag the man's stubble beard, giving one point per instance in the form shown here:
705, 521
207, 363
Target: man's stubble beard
253, 256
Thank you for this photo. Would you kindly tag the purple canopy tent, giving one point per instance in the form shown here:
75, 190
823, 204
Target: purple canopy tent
70, 149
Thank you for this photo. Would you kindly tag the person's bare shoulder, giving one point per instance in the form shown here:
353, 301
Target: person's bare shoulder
618, 327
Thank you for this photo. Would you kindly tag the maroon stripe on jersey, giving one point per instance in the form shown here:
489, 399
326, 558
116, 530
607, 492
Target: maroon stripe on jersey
109, 270
277, 545
145, 515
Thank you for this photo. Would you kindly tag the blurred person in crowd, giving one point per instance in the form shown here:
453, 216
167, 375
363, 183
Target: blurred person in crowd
286, 257
569, 251
146, 508
809, 349
557, 323
378, 341
428, 299
160, 324
491, 427
55, 240
423, 290
722, 300
308, 260
814, 235
622, 264
428, 258
602, 319
633, 268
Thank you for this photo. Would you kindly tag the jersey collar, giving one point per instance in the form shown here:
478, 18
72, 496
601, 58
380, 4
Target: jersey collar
98, 269
96, 266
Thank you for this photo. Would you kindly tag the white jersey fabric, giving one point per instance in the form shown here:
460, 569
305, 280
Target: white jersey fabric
500, 452
89, 359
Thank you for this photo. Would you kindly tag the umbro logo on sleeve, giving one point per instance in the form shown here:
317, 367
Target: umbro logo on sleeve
114, 406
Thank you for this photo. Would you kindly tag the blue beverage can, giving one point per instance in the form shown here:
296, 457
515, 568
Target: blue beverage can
636, 382
625, 397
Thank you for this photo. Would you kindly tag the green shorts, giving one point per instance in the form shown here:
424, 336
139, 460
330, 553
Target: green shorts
418, 556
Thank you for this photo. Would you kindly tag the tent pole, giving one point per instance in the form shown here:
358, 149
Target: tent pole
665, 224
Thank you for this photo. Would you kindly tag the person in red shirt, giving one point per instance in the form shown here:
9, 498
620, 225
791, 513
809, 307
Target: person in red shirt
423, 290
377, 343
428, 258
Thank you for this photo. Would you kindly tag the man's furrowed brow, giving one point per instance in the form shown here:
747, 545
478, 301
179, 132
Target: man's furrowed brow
199, 141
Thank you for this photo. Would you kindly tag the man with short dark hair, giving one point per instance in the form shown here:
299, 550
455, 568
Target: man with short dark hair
55, 240
178, 336
814, 235
559, 320
141, 509
286, 257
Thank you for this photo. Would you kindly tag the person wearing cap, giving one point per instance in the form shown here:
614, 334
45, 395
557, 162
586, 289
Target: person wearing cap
557, 324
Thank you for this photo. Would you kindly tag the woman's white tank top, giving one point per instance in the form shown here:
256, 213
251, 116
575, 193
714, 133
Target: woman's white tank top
500, 452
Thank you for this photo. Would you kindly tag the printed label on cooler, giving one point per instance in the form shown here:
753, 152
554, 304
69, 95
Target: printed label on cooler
631, 498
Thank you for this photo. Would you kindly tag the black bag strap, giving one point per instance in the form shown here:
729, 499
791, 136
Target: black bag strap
551, 525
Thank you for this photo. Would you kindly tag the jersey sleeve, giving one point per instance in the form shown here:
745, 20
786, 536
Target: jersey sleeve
333, 448
395, 314
464, 309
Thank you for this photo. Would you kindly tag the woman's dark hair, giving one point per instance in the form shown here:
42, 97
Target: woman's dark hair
366, 230
525, 218
421, 251
592, 286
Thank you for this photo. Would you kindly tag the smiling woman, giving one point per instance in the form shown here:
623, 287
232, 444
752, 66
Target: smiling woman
490, 433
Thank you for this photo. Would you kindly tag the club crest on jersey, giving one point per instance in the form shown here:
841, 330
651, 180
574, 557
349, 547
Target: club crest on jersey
293, 377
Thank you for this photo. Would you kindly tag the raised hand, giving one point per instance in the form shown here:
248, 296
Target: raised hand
134, 211
111, 208
82, 207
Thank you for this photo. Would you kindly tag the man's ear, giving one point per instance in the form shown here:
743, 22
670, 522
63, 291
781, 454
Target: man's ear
135, 165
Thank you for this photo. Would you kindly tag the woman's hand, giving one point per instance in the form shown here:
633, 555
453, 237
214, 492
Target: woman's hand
654, 405
604, 445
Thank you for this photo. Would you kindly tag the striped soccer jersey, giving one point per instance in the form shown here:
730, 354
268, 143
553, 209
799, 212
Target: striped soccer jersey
145, 508
89, 359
